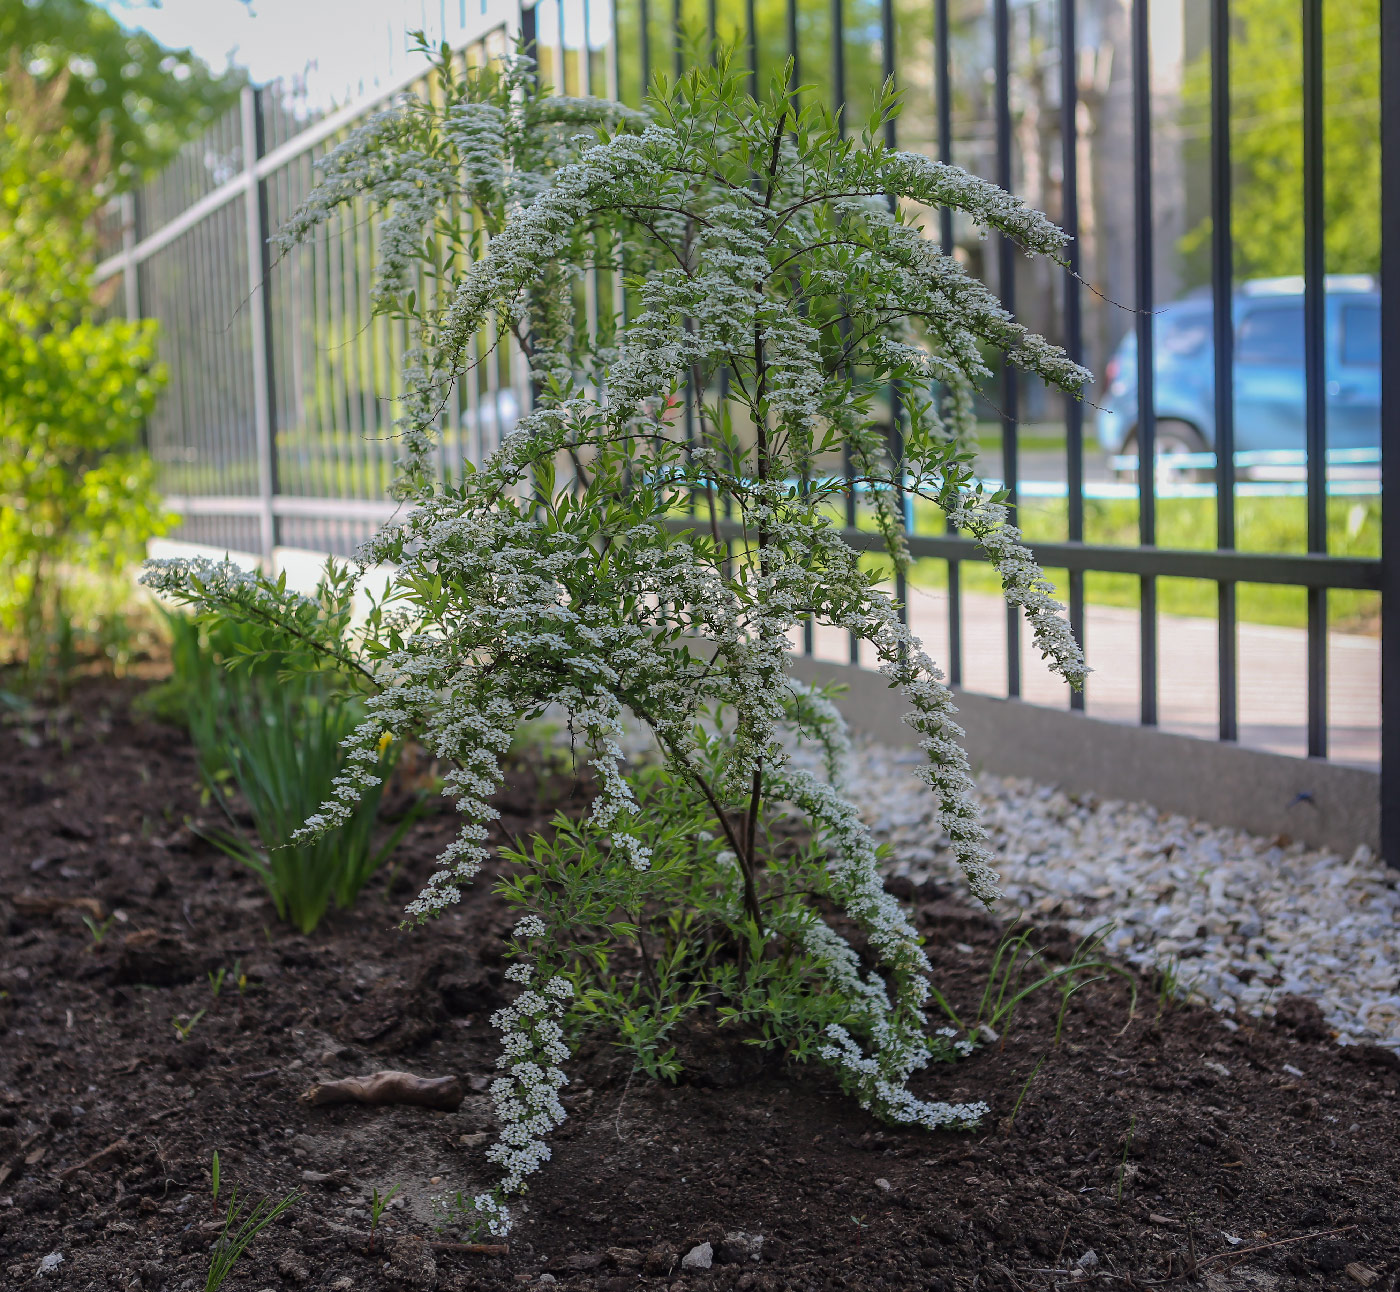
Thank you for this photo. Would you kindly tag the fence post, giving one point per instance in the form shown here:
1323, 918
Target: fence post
255, 222
131, 284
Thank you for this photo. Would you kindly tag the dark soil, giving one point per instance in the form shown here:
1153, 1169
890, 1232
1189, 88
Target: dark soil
1168, 1149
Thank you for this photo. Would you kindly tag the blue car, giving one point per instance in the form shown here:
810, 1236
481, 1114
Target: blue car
1269, 372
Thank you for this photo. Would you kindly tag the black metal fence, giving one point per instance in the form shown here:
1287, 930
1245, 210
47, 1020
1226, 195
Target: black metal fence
273, 431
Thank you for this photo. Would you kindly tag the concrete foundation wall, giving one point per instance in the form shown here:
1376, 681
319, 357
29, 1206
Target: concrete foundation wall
1322, 803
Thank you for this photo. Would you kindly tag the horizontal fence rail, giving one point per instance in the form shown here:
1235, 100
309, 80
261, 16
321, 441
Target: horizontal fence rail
276, 429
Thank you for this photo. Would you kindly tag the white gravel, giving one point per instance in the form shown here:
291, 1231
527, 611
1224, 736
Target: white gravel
1243, 920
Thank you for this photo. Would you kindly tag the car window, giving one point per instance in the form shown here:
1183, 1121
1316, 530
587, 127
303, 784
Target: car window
1361, 334
1271, 334
1183, 335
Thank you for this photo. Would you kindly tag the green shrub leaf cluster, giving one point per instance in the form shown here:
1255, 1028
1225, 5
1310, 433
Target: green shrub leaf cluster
77, 490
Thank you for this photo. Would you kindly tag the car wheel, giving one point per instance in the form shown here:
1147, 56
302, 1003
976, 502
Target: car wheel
1173, 438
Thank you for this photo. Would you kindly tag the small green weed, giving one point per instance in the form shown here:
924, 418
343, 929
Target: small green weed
183, 1030
1025, 1086
1069, 982
98, 928
377, 1203
1006, 986
278, 741
1172, 988
235, 976
239, 1228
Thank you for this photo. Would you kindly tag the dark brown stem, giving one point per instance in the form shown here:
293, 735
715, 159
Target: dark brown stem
773, 160
648, 971
257, 612
751, 824
751, 904
705, 439
745, 860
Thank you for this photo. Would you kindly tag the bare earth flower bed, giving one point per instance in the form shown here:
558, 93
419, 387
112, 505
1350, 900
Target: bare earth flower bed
1166, 1150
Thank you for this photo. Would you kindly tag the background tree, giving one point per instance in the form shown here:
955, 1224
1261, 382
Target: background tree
127, 95
1266, 59
76, 488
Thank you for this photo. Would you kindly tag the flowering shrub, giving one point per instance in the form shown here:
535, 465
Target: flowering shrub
589, 565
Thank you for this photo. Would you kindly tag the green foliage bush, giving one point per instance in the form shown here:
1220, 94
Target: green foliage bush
76, 487
1266, 138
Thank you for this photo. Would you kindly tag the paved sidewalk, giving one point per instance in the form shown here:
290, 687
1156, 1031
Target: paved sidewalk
1273, 693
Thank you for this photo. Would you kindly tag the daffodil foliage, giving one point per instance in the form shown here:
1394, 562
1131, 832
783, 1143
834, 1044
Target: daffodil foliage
644, 548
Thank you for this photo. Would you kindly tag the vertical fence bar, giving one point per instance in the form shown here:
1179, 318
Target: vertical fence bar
1147, 410
561, 74
131, 282
1222, 281
529, 35
838, 61
1006, 285
1390, 435
945, 237
944, 106
751, 22
1073, 323
610, 54
888, 73
210, 280
887, 59
796, 78
838, 93
809, 625
592, 277
255, 230
1314, 364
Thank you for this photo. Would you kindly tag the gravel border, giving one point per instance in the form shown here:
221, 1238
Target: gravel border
1242, 920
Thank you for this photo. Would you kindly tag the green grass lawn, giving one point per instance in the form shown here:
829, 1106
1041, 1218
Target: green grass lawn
1262, 525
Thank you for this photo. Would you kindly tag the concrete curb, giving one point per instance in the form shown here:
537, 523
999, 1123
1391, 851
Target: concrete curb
1321, 803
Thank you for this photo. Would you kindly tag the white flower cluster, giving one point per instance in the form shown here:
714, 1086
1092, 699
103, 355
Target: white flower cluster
894, 1099
445, 173
600, 718
899, 1047
816, 717
526, 1095
218, 581
962, 1046
1023, 582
